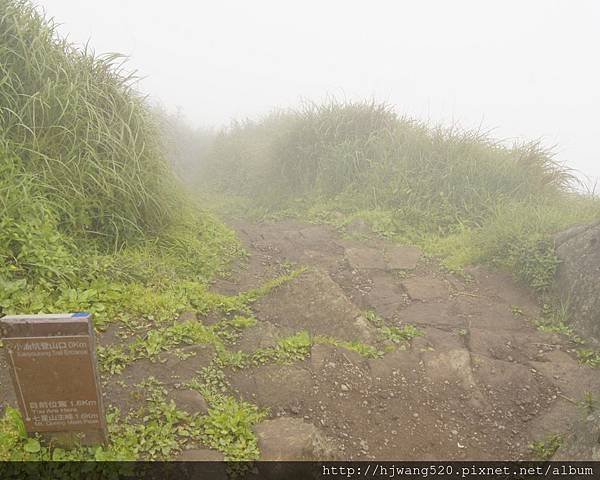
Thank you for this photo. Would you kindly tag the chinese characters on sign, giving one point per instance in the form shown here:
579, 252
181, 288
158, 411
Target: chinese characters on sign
53, 366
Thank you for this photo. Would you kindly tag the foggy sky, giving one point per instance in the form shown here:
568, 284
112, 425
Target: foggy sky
526, 69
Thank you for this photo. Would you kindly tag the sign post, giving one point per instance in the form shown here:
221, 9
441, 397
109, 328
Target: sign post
52, 359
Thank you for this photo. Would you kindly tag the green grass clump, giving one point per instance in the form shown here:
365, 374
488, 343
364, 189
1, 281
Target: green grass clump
589, 357
228, 427
546, 448
91, 217
363, 349
288, 350
158, 430
157, 437
401, 334
458, 194
367, 156
83, 135
555, 319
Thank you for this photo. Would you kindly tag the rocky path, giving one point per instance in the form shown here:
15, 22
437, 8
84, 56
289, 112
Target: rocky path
478, 381
482, 382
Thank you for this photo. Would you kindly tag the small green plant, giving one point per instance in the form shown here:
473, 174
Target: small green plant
155, 432
229, 423
536, 263
589, 357
228, 428
546, 448
557, 327
516, 311
167, 338
555, 320
363, 349
589, 402
211, 383
374, 318
401, 335
288, 350
229, 330
112, 359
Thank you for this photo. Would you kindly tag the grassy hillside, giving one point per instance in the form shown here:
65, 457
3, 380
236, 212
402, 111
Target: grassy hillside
86, 191
457, 193
91, 218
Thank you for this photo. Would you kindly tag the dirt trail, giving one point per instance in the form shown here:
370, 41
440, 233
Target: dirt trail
481, 383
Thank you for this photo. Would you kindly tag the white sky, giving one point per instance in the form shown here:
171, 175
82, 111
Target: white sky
525, 68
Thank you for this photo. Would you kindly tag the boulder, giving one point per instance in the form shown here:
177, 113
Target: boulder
577, 283
578, 277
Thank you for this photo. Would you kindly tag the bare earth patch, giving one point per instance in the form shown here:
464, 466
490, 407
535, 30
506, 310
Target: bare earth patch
481, 382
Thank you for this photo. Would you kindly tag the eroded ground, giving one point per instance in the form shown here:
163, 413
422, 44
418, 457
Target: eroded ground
405, 360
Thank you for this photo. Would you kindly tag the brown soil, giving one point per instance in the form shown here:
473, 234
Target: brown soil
481, 383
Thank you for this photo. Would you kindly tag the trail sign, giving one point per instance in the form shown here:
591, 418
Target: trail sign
52, 359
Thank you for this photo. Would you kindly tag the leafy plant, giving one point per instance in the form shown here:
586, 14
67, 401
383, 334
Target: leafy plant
589, 402
555, 318
112, 360
288, 350
400, 335
546, 448
228, 428
589, 357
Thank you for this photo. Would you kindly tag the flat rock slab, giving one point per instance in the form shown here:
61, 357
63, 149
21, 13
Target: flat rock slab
273, 386
262, 335
517, 382
510, 346
393, 257
453, 365
314, 302
438, 339
399, 257
495, 317
366, 258
432, 314
189, 401
582, 443
169, 368
394, 363
329, 356
501, 287
573, 379
425, 288
292, 439
386, 296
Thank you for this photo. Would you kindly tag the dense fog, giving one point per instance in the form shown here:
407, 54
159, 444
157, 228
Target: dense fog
521, 69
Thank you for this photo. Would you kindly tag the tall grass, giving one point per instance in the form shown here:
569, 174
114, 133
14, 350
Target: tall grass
76, 122
368, 157
85, 190
457, 192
